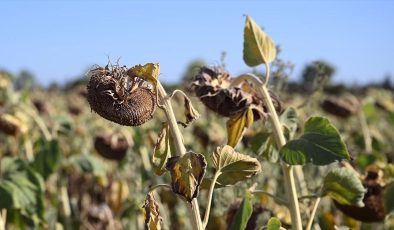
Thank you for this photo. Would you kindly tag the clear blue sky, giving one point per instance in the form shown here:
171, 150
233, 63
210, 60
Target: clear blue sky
58, 40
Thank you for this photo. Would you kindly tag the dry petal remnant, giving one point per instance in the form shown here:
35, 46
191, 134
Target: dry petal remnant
213, 85
118, 97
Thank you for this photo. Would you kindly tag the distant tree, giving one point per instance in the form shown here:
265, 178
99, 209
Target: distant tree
75, 83
316, 75
191, 70
24, 79
281, 70
386, 84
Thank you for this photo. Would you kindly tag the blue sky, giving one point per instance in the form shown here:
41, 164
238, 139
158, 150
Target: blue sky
59, 40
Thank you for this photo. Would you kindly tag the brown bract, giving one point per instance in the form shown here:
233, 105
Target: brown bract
126, 100
112, 147
213, 86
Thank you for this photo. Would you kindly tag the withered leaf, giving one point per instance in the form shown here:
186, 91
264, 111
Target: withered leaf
149, 72
187, 172
191, 113
237, 125
153, 219
234, 166
161, 151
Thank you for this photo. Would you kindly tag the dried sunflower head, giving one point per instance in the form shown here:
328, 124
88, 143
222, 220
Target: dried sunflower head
118, 97
373, 210
99, 216
213, 85
111, 146
343, 107
12, 125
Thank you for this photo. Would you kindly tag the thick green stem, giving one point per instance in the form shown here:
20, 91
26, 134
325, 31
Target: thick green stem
280, 141
180, 147
65, 201
39, 121
3, 219
176, 134
365, 130
287, 169
210, 195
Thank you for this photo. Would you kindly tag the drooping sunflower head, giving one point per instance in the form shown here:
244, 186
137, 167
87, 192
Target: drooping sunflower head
115, 95
215, 88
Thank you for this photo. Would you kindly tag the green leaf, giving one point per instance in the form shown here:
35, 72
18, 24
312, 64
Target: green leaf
161, 151
64, 124
264, 144
22, 191
234, 166
187, 172
237, 125
88, 163
48, 158
344, 186
243, 213
320, 144
258, 46
388, 197
273, 224
289, 119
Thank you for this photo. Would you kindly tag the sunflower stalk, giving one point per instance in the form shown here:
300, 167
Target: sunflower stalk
179, 146
287, 169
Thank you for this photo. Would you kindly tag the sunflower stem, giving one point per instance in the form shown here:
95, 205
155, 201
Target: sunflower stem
179, 146
287, 169
210, 196
3, 219
310, 222
288, 173
277, 199
151, 189
281, 141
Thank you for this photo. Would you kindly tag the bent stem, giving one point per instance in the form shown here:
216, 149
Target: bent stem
210, 195
365, 130
310, 222
179, 146
3, 219
278, 200
151, 189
